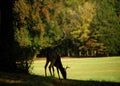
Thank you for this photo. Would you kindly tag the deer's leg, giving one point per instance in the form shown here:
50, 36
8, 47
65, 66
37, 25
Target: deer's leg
46, 67
53, 71
58, 73
51, 66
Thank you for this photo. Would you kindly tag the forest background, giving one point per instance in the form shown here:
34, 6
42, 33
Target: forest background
76, 28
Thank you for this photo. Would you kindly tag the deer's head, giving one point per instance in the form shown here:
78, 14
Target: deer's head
64, 73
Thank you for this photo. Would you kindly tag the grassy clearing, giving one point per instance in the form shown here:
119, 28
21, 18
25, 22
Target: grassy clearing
82, 72
100, 69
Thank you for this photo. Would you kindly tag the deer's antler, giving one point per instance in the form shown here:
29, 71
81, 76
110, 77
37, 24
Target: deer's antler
67, 67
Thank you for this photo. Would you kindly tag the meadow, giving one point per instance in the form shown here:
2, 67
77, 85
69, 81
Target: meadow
98, 69
103, 71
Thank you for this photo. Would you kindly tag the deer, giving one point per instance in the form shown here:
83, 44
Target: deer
55, 61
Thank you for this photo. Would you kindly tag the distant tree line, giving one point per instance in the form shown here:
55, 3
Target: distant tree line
72, 28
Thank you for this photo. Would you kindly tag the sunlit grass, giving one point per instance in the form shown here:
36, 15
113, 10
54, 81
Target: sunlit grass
100, 69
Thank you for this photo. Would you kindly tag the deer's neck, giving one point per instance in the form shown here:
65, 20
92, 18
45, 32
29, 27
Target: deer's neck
58, 64
61, 68
63, 72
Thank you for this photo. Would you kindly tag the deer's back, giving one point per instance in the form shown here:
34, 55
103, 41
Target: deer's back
53, 56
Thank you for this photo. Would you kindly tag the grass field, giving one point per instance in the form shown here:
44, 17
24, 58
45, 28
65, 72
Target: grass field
82, 72
99, 69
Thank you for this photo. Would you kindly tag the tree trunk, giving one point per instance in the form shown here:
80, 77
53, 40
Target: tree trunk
7, 59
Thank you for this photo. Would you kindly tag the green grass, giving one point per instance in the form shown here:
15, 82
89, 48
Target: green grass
98, 69
82, 72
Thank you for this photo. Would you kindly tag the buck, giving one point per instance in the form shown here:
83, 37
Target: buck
55, 61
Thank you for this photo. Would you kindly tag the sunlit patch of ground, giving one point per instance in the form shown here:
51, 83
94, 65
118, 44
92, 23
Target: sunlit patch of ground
100, 69
10, 78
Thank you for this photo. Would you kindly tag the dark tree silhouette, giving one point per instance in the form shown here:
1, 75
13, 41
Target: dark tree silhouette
7, 61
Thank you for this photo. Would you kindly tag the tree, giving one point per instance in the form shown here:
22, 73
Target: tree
7, 57
78, 18
106, 26
36, 26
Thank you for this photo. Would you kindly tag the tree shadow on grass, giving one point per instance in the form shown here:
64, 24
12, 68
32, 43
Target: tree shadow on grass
89, 83
15, 79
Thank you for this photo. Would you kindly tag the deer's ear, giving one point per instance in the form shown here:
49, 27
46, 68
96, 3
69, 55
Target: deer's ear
67, 67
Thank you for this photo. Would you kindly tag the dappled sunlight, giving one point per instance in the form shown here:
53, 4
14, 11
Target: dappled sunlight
10, 78
10, 81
